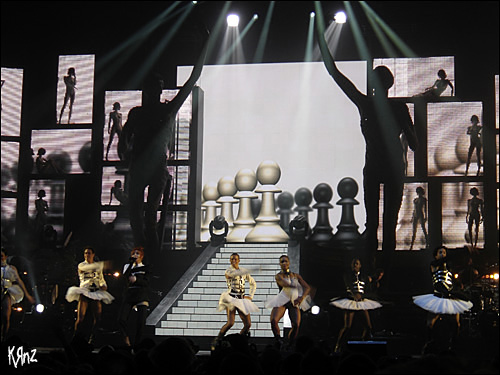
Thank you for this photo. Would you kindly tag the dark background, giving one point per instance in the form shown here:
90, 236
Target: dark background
35, 33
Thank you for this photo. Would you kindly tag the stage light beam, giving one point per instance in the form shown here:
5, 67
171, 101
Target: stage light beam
263, 36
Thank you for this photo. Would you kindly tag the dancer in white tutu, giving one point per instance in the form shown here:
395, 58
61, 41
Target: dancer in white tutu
13, 291
91, 292
357, 284
234, 299
444, 299
294, 296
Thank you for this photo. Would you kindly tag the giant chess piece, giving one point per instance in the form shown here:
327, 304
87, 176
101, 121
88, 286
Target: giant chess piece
285, 204
245, 181
210, 194
322, 231
347, 230
227, 188
267, 228
303, 198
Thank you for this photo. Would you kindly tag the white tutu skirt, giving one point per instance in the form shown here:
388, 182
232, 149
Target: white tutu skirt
74, 292
438, 305
288, 295
350, 304
246, 306
16, 293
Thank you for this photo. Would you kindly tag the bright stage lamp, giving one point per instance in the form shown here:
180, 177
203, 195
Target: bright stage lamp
233, 20
315, 310
40, 308
340, 17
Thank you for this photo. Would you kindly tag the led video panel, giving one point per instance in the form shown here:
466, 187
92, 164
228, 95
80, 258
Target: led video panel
75, 89
455, 205
448, 141
10, 163
68, 151
11, 103
413, 75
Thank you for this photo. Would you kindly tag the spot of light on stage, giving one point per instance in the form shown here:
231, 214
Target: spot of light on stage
40, 308
233, 20
315, 310
116, 274
340, 17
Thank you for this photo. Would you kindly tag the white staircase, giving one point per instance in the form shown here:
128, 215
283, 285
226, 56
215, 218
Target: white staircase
194, 313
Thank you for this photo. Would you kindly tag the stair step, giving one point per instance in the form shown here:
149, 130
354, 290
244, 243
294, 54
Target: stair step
195, 312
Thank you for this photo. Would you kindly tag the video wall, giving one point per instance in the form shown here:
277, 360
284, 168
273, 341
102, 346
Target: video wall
296, 115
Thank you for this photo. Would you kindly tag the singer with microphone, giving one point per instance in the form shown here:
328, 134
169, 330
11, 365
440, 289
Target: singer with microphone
136, 295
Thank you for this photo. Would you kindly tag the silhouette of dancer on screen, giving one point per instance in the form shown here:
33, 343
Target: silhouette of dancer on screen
474, 215
70, 82
146, 139
438, 87
118, 192
474, 131
382, 122
42, 207
114, 125
419, 215
43, 164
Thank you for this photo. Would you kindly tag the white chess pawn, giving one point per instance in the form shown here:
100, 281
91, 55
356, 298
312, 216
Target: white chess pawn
245, 181
267, 227
210, 195
227, 188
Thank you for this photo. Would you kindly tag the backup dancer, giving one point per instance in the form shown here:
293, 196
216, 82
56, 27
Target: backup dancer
13, 291
136, 295
294, 296
234, 299
356, 284
444, 300
91, 292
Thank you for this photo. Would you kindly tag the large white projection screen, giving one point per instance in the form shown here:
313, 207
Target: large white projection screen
291, 113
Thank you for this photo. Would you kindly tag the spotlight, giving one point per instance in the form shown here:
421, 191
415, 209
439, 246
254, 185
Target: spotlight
495, 276
233, 20
116, 274
256, 16
315, 310
340, 17
40, 308
312, 14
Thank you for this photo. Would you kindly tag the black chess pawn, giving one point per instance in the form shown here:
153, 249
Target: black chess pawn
347, 230
303, 198
299, 229
322, 231
285, 203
